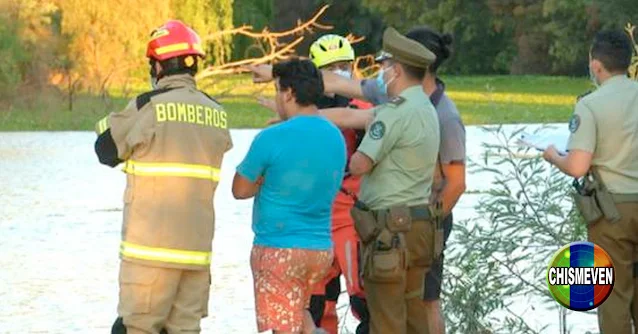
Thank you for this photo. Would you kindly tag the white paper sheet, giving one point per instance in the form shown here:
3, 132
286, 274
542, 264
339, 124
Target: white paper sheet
544, 139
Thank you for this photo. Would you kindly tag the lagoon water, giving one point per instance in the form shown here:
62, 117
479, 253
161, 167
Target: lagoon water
60, 220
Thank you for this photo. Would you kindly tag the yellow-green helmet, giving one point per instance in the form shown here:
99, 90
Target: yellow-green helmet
330, 49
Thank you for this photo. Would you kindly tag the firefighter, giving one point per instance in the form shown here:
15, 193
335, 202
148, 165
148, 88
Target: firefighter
172, 141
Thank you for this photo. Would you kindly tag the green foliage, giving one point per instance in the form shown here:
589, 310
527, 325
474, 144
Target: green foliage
360, 21
29, 48
13, 56
568, 51
524, 217
256, 13
614, 14
207, 17
513, 36
107, 41
481, 44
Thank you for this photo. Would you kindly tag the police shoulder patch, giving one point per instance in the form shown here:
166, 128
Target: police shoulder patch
396, 101
574, 123
377, 130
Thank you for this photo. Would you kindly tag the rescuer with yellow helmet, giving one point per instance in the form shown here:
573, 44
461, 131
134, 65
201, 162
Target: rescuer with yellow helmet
335, 53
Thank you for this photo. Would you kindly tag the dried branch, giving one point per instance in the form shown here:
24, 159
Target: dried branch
268, 43
370, 69
354, 39
247, 30
235, 67
633, 69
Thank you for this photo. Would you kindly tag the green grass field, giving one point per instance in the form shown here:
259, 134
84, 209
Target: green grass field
481, 100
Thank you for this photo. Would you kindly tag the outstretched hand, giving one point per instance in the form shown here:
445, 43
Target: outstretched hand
267, 103
261, 73
270, 105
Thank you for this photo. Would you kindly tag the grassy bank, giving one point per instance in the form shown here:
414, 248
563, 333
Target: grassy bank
481, 100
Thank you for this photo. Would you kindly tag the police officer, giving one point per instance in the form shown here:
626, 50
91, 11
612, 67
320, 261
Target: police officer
603, 146
171, 141
450, 178
397, 158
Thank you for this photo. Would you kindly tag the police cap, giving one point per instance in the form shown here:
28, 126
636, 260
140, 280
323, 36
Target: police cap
404, 50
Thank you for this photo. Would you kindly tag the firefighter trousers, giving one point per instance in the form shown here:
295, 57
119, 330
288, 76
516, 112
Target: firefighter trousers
153, 299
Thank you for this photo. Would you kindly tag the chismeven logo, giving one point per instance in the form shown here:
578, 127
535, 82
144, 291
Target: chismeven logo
581, 276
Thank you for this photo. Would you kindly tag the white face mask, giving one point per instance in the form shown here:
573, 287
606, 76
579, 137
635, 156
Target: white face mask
343, 73
381, 84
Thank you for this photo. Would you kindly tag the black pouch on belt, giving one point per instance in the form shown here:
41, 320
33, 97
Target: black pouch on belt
604, 198
365, 223
386, 261
585, 201
588, 207
398, 219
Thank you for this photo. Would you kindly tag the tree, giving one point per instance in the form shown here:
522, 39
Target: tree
483, 42
207, 17
28, 44
570, 26
107, 40
359, 21
614, 14
288, 13
257, 13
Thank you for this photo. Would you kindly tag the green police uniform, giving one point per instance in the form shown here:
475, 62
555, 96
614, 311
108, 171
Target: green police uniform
605, 123
403, 143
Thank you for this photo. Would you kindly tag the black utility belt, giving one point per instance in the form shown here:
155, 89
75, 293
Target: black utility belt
395, 219
418, 212
625, 198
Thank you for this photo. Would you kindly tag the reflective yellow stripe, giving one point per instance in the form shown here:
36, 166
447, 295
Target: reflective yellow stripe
172, 48
171, 169
164, 254
102, 125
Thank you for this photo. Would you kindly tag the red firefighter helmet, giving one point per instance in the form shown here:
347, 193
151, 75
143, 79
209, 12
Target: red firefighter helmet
173, 39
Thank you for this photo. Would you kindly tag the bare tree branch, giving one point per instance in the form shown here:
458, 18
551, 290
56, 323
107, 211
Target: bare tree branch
247, 30
234, 67
269, 45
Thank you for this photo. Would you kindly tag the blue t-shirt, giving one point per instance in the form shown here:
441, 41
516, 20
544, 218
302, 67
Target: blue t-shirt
302, 161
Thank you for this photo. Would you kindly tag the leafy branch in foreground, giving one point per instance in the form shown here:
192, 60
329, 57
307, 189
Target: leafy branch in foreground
499, 258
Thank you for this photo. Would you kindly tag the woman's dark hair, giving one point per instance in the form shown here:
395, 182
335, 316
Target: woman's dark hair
439, 44
613, 49
302, 77
414, 72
